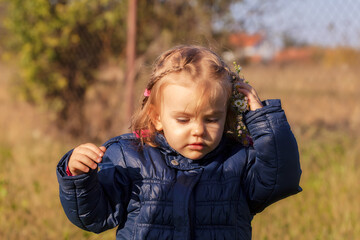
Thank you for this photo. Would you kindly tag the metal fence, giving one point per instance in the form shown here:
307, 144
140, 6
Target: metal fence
325, 23
263, 31
322, 22
276, 25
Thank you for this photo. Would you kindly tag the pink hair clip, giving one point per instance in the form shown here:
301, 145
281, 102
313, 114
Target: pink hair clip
147, 92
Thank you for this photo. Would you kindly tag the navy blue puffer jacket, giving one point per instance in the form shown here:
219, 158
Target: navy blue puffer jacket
155, 193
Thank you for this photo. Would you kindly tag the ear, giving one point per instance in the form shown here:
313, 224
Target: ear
157, 122
155, 119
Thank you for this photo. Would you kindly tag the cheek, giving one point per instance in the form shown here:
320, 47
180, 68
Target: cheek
174, 137
174, 131
171, 129
220, 125
220, 132
215, 128
214, 136
216, 132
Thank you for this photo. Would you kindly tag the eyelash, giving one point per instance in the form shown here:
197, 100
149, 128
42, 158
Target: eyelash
185, 120
182, 120
212, 120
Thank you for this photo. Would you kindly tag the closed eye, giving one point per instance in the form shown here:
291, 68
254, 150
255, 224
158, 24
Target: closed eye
212, 120
182, 120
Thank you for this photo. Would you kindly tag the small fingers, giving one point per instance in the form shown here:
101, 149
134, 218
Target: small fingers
244, 86
85, 157
99, 150
77, 168
103, 149
79, 163
253, 98
85, 160
91, 151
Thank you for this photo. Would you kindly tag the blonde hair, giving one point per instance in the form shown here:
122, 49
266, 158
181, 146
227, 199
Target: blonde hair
205, 68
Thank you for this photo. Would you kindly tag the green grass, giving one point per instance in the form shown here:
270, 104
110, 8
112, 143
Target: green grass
326, 127
328, 207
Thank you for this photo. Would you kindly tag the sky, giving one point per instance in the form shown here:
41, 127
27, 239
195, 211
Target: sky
329, 23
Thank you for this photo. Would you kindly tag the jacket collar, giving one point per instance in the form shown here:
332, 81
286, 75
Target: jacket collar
176, 160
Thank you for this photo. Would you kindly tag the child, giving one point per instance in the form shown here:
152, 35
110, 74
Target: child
183, 173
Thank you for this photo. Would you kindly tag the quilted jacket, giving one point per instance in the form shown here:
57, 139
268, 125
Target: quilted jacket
155, 193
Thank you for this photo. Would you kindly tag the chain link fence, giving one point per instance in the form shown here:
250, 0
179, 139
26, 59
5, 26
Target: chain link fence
273, 26
279, 32
281, 23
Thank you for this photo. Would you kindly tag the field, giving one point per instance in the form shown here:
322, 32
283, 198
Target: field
322, 107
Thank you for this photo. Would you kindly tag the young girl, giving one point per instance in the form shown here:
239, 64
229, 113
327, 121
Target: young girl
184, 173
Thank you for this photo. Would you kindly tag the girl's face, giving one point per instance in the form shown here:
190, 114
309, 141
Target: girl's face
190, 129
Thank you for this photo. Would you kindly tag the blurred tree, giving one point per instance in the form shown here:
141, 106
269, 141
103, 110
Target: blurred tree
176, 22
62, 42
2, 29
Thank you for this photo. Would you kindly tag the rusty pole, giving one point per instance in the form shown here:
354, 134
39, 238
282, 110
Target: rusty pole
130, 58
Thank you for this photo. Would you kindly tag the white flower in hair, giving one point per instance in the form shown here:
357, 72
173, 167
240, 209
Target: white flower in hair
240, 104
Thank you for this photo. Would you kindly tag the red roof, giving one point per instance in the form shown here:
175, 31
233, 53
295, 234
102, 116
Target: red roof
245, 40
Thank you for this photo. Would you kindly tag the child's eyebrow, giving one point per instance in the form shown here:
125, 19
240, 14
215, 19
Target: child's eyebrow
180, 113
214, 112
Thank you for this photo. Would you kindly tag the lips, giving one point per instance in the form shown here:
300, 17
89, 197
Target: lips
196, 146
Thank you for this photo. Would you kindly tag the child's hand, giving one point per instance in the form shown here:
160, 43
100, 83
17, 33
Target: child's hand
254, 101
84, 157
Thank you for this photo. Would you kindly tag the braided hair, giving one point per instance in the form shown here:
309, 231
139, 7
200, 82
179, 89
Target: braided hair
203, 66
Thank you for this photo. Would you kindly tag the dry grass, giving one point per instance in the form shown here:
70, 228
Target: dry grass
324, 112
312, 94
323, 108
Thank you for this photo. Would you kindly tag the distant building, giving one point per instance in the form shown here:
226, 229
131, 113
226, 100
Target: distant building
253, 48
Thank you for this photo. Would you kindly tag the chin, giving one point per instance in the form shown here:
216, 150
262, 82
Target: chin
195, 156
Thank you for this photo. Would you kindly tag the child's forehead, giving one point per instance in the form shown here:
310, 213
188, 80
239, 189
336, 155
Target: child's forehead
190, 96
197, 89
197, 83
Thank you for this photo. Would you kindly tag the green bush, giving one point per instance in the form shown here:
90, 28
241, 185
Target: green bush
60, 44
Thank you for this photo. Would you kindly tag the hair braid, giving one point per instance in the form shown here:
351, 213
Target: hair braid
155, 78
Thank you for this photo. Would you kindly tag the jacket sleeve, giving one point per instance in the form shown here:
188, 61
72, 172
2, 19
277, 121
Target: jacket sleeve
273, 167
96, 201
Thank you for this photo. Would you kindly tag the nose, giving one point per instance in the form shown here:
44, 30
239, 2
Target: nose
198, 128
